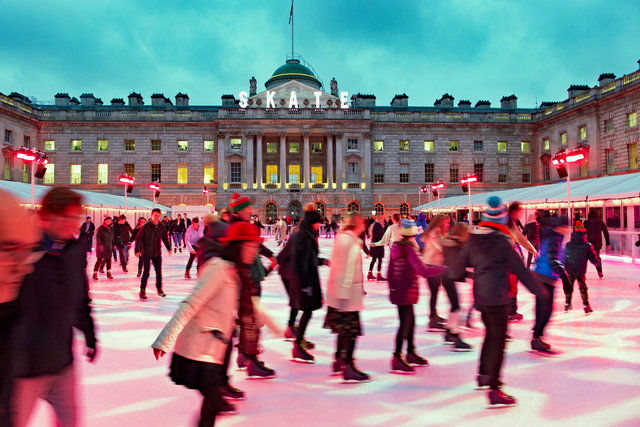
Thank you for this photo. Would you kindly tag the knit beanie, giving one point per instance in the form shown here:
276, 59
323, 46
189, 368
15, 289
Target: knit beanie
580, 227
496, 211
239, 202
408, 228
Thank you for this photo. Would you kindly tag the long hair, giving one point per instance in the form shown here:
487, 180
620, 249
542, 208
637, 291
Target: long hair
436, 223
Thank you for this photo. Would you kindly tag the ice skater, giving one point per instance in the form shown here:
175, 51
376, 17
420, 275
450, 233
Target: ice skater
577, 253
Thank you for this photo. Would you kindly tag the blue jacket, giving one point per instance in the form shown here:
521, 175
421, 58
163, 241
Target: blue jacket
548, 263
421, 222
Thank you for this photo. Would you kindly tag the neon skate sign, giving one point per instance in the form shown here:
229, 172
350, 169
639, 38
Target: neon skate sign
243, 97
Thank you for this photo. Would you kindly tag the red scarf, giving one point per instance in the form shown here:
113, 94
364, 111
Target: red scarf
495, 226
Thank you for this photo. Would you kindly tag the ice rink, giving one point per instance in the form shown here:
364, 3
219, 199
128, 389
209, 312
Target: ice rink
594, 381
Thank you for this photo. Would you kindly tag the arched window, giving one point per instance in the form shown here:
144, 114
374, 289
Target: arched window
271, 210
320, 207
379, 207
353, 207
404, 209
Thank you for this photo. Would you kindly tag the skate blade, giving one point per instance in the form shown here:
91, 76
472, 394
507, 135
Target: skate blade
461, 350
501, 405
368, 380
308, 362
482, 388
402, 372
551, 353
258, 377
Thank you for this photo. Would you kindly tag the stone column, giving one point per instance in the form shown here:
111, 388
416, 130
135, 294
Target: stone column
330, 161
221, 139
306, 161
283, 160
367, 160
340, 139
249, 163
259, 170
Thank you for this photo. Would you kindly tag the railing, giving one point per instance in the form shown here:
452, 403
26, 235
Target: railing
623, 244
235, 186
271, 186
608, 87
631, 78
318, 186
353, 185
582, 97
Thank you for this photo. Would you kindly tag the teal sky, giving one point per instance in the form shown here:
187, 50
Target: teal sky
470, 49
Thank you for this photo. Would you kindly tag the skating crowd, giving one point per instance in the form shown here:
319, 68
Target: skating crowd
223, 310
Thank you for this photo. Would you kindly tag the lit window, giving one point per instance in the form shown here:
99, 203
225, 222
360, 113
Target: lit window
429, 146
321, 208
26, 173
76, 145
236, 172
608, 126
129, 145
156, 145
316, 174
378, 145
49, 175
633, 155
582, 132
404, 145
7, 168
352, 144
49, 145
632, 119
584, 168
103, 145
316, 147
103, 173
610, 160
453, 145
235, 143
563, 138
545, 144
429, 172
294, 147
294, 174
502, 146
272, 174
182, 174
478, 146
272, 147
525, 147
76, 174
209, 177
271, 210
503, 173
130, 169
209, 145
183, 145
156, 172
453, 173
478, 170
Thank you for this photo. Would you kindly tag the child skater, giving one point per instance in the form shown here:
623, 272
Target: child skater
577, 252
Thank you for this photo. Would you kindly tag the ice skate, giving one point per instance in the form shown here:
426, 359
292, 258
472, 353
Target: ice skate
414, 360
399, 366
299, 354
352, 374
497, 397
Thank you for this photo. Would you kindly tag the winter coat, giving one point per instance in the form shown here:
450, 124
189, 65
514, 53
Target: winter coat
180, 226
404, 268
209, 246
391, 235
149, 238
432, 253
104, 241
422, 227
532, 233
83, 229
451, 250
548, 263
206, 318
53, 299
286, 258
193, 236
306, 294
595, 229
376, 232
577, 252
345, 286
122, 234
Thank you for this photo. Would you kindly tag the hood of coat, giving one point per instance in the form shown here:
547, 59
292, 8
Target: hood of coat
578, 237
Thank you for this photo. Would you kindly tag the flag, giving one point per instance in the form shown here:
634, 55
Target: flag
291, 13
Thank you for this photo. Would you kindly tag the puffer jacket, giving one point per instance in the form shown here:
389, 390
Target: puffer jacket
577, 252
451, 250
104, 241
345, 286
548, 263
206, 318
404, 268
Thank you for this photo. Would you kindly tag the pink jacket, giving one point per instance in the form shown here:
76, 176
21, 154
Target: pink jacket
344, 288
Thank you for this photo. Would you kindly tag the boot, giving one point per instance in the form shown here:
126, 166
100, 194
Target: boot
187, 275
175, 250
568, 307
449, 338
242, 361
370, 276
352, 374
109, 276
161, 293
485, 381
338, 366
435, 326
230, 392
460, 345
291, 332
124, 269
143, 294
139, 272
516, 317
497, 397
414, 360
227, 407
379, 278
257, 369
538, 345
399, 366
95, 275
180, 249
587, 309
307, 345
299, 354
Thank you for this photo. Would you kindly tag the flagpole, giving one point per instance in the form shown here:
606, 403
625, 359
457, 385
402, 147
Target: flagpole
291, 29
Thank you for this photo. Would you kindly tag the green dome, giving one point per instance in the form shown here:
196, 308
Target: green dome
293, 70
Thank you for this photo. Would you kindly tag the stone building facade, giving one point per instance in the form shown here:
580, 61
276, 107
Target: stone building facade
294, 143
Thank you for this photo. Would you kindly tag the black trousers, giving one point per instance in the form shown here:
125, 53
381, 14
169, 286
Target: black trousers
212, 404
302, 326
495, 318
582, 284
434, 286
373, 263
192, 256
89, 243
543, 310
450, 287
146, 266
346, 345
406, 328
598, 249
100, 260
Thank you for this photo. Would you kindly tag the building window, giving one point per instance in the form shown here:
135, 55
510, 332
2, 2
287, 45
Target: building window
129, 145
633, 155
526, 173
294, 174
183, 145
502, 146
503, 170
316, 147
453, 173
353, 207
404, 209
378, 145
632, 119
608, 126
209, 177
156, 145
610, 160
546, 171
272, 174
272, 147
76, 145
156, 172
8, 136
478, 170
76, 174
584, 168
27, 141
429, 146
404, 174
49, 145
316, 175
379, 207
26, 172
320, 207
235, 143
236, 172
209, 145
404, 145
545, 144
525, 147
478, 146
49, 176
294, 147
563, 138
271, 210
130, 169
8, 161
378, 173
103, 145
353, 176
352, 144
103, 173
582, 133
453, 145
429, 172
183, 174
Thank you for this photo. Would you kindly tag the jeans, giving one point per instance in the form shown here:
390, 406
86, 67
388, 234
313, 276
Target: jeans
157, 266
495, 320
178, 239
406, 328
124, 255
544, 307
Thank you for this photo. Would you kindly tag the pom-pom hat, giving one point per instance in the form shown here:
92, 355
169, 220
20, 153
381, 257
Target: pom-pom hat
242, 231
408, 228
239, 202
496, 211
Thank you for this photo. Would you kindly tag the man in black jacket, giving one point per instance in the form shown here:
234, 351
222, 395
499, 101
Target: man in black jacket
148, 246
86, 233
122, 237
595, 229
53, 300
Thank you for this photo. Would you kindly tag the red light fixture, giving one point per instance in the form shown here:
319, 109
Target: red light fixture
205, 190
435, 188
127, 180
565, 157
466, 181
